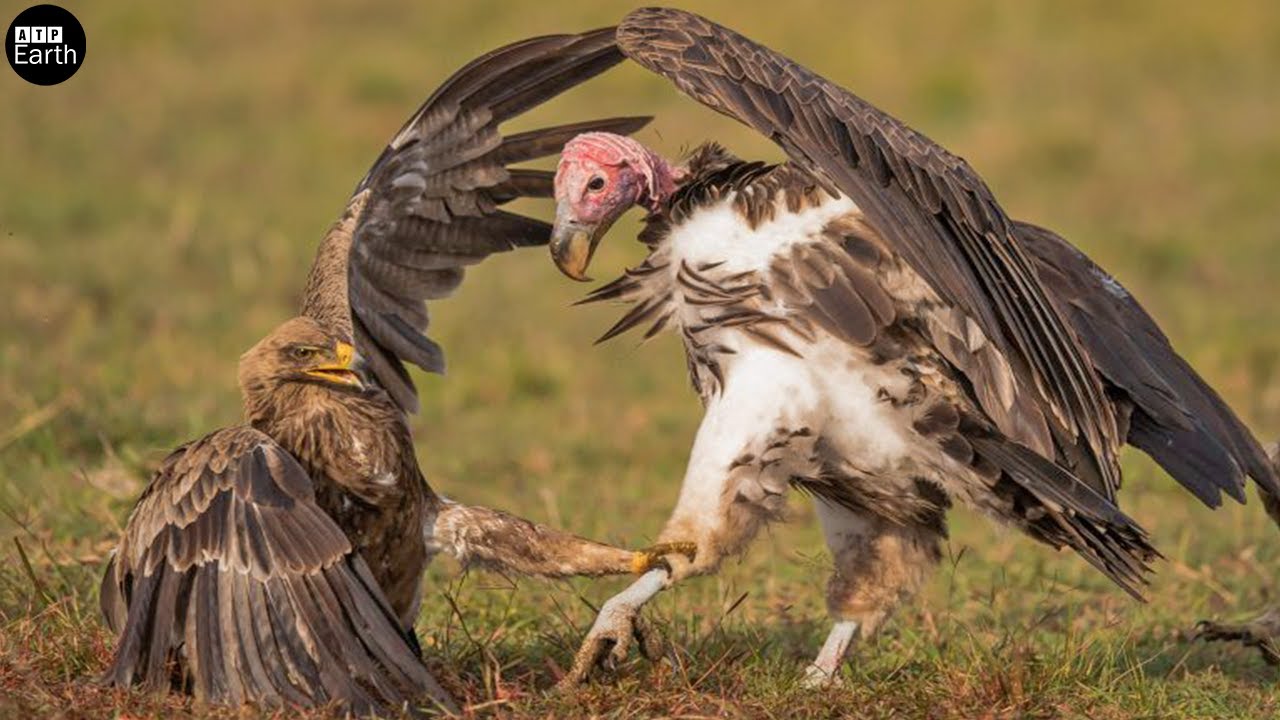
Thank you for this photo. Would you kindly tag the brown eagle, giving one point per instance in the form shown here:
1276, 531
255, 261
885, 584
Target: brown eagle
866, 324
280, 561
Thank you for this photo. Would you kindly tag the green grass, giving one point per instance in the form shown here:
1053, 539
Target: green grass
159, 210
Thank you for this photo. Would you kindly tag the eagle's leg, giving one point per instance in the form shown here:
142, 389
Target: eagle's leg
878, 565
655, 556
1263, 632
482, 537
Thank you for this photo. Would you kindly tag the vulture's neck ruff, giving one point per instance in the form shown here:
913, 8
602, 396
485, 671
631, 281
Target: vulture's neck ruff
709, 240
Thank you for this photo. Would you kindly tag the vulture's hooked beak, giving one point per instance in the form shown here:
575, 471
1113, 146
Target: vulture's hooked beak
342, 371
574, 242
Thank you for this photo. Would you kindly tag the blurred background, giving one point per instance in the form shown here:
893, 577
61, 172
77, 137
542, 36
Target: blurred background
158, 213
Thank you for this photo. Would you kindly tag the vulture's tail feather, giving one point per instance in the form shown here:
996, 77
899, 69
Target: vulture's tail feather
1057, 508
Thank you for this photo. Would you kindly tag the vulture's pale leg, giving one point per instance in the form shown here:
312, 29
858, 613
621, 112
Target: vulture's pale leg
824, 668
754, 438
618, 624
736, 481
878, 565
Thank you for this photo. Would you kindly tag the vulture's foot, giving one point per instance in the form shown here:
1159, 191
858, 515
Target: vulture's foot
654, 556
817, 678
1262, 632
616, 628
824, 671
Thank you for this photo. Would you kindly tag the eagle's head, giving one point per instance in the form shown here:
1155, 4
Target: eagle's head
300, 352
601, 176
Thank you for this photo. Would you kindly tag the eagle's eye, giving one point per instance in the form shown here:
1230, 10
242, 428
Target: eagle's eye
596, 184
302, 352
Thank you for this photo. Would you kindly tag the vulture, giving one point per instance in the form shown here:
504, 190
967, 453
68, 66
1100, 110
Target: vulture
866, 324
280, 561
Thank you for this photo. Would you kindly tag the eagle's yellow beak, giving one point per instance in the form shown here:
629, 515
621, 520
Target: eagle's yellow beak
342, 371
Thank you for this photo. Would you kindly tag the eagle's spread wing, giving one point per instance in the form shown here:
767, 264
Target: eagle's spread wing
430, 205
1176, 417
928, 204
231, 581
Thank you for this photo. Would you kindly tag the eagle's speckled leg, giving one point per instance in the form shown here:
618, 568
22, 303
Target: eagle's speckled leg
478, 536
878, 565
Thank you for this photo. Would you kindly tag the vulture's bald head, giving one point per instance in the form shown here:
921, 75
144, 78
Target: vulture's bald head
600, 176
299, 352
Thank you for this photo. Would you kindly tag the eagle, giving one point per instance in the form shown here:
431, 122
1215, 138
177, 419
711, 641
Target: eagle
280, 561
866, 324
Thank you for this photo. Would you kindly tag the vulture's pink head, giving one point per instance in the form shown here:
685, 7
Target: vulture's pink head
600, 177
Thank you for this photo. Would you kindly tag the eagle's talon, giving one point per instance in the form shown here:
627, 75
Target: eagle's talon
654, 556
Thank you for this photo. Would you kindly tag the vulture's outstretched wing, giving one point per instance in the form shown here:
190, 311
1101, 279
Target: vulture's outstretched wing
928, 204
1175, 417
232, 582
429, 207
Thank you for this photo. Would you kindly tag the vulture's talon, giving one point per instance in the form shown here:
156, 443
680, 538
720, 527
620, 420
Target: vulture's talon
1262, 633
654, 556
617, 628
649, 640
816, 678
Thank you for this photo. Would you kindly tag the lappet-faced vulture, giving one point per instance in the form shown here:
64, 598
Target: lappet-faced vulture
866, 324
280, 561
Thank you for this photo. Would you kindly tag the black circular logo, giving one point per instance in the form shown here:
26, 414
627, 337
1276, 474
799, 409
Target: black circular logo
45, 45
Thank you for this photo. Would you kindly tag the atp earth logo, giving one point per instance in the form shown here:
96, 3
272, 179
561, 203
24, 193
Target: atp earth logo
45, 45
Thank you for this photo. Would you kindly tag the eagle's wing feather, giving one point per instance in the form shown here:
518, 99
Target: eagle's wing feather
232, 581
928, 204
430, 205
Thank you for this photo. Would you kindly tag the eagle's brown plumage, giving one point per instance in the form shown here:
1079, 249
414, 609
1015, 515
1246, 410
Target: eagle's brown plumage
265, 563
279, 561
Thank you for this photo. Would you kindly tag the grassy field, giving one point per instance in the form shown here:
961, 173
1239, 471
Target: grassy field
158, 212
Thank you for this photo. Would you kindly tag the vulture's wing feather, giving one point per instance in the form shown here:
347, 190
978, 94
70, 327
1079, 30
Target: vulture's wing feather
928, 204
429, 207
836, 285
1176, 417
231, 581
